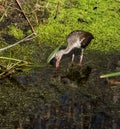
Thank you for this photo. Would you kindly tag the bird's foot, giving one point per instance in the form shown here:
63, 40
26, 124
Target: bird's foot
72, 63
79, 64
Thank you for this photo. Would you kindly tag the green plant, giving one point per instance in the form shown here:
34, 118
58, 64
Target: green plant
16, 32
110, 75
102, 22
52, 55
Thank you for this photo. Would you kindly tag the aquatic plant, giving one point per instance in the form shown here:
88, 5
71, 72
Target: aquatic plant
110, 75
11, 67
52, 55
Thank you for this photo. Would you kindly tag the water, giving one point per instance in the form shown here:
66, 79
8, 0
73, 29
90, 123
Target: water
72, 98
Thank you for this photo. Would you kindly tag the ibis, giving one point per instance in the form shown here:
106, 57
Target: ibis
77, 39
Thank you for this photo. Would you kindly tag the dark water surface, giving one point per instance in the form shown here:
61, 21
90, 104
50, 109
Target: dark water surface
71, 98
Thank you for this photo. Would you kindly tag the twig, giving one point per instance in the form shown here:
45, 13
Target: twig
17, 1
13, 59
4, 13
57, 10
25, 39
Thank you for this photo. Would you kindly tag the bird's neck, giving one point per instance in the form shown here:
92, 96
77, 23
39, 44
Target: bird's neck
67, 50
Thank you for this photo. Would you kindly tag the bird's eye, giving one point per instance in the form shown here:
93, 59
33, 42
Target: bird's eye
57, 57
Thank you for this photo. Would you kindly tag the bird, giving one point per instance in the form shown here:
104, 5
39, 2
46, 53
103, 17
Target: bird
77, 39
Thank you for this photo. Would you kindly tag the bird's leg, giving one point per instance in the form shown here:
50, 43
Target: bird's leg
81, 56
57, 65
73, 57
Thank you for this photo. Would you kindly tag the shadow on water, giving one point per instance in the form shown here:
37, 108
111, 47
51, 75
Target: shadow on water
72, 98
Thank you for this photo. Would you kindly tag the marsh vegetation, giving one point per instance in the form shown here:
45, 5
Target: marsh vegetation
32, 94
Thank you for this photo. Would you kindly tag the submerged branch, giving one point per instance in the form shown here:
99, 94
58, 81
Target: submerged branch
25, 39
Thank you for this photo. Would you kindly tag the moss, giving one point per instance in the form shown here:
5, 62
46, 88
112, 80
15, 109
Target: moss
99, 17
16, 32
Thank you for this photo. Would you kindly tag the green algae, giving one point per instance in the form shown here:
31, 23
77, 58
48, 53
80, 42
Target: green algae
16, 32
102, 22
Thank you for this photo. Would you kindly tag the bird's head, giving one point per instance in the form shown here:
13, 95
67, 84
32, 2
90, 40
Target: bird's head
58, 57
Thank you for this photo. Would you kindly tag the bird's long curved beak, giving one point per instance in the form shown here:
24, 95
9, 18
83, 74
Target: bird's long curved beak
57, 64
